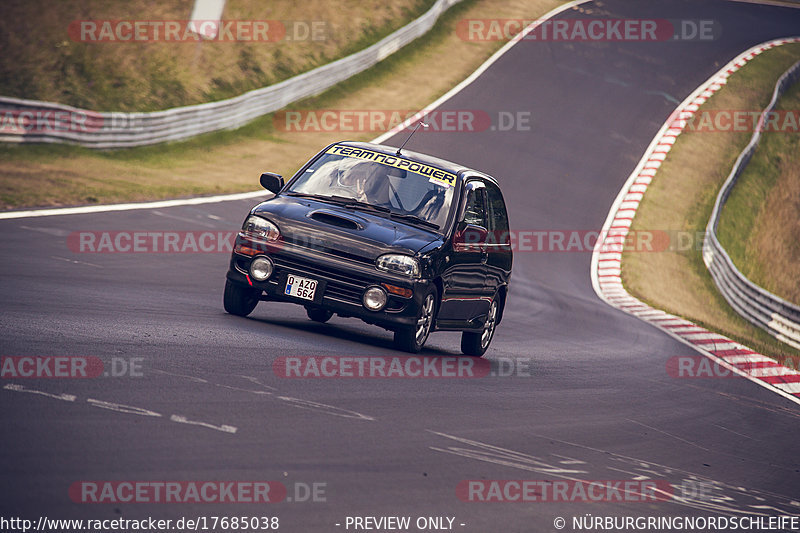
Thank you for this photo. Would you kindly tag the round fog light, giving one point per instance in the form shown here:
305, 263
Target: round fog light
261, 268
374, 298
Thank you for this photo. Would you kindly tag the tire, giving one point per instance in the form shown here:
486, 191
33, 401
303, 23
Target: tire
476, 343
238, 300
317, 314
412, 339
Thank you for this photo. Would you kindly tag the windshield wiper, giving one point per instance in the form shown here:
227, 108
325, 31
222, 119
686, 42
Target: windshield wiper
321, 197
414, 218
353, 203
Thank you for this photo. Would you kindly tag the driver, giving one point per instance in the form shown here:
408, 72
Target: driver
393, 175
353, 180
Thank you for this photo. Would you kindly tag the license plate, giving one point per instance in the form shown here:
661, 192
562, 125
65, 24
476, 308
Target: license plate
300, 287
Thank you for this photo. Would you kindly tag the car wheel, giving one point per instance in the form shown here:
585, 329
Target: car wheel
317, 314
476, 343
412, 339
239, 300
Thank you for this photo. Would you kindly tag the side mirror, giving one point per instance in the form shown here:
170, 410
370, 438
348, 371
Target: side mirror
470, 237
271, 181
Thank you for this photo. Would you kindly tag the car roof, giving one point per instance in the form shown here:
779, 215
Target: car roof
443, 164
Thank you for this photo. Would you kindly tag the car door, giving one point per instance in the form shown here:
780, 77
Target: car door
466, 295
499, 259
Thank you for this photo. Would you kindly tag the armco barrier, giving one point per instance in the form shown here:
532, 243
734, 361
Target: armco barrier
766, 310
120, 130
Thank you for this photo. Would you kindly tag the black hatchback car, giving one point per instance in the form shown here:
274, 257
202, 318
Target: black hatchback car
405, 241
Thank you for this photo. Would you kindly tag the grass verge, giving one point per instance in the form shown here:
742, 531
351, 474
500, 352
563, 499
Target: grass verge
230, 161
681, 197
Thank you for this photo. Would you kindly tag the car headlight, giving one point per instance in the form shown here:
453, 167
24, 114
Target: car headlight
399, 264
261, 228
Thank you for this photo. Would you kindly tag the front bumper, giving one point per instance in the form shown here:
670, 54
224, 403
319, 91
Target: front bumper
341, 284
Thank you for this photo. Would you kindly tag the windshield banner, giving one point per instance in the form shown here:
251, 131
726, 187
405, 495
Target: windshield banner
448, 178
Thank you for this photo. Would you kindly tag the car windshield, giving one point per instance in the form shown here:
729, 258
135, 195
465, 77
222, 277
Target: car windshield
407, 189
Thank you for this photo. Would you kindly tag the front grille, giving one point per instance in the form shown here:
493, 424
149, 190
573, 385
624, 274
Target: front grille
342, 286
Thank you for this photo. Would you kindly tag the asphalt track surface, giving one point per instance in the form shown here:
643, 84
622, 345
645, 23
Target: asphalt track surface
597, 405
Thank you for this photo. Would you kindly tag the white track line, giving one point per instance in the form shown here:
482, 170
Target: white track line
130, 207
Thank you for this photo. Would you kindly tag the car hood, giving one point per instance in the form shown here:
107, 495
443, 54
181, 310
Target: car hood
342, 231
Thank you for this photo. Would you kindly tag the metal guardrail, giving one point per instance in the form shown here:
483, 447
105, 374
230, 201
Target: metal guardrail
762, 308
31, 121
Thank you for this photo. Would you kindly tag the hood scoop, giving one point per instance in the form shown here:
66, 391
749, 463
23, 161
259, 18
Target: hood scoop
335, 219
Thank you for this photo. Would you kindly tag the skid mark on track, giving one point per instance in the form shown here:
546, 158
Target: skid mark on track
324, 408
191, 378
120, 408
569, 460
20, 388
193, 220
57, 232
667, 434
239, 389
231, 387
494, 454
633, 475
735, 432
254, 380
75, 261
688, 489
295, 402
251, 391
183, 420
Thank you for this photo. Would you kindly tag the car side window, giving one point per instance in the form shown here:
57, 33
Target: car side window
498, 217
475, 211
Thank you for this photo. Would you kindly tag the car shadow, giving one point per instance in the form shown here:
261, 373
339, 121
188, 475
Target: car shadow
342, 332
